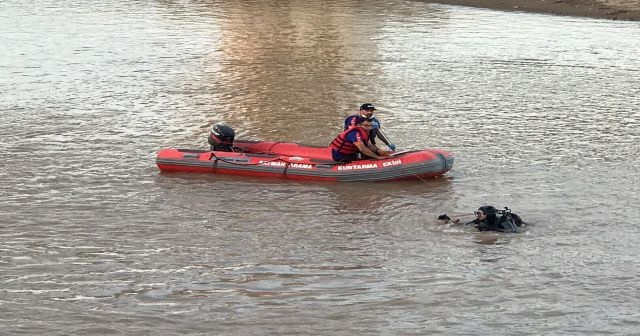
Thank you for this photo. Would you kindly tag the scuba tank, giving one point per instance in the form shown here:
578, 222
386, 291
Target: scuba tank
506, 223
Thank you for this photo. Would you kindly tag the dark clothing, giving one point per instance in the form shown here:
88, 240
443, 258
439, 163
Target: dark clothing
507, 222
338, 157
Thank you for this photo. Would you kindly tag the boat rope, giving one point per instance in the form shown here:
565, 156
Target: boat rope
420, 178
277, 143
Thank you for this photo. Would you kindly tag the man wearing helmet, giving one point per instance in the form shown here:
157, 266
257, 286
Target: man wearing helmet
366, 111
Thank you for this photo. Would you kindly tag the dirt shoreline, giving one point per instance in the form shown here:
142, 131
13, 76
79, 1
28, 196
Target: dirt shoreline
605, 9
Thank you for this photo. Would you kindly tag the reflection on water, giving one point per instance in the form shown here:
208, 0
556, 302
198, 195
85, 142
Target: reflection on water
311, 63
540, 111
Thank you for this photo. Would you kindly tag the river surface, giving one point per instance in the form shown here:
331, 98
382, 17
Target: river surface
541, 113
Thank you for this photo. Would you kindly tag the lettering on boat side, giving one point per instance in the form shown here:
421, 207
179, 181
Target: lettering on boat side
286, 164
301, 165
392, 163
358, 166
231, 160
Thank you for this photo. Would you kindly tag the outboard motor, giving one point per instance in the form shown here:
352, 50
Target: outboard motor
221, 138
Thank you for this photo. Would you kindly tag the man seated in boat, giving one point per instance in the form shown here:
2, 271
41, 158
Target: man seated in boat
353, 144
366, 111
488, 218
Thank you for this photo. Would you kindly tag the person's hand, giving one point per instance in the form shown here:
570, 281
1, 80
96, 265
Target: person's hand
392, 146
448, 219
384, 154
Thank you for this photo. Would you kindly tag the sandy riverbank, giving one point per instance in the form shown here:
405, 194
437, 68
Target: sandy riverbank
608, 9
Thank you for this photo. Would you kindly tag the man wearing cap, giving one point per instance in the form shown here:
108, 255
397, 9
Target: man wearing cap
366, 111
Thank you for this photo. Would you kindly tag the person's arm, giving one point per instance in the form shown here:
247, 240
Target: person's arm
381, 135
377, 150
366, 150
384, 139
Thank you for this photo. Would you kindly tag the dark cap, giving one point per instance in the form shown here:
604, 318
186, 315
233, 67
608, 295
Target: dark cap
367, 106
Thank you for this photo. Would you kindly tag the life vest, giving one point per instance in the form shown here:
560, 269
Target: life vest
341, 145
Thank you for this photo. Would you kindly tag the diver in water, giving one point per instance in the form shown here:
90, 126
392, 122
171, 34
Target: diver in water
488, 218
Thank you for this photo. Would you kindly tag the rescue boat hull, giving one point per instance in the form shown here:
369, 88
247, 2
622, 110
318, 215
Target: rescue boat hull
298, 162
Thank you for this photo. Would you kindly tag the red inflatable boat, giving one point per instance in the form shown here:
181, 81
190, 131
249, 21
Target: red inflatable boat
298, 162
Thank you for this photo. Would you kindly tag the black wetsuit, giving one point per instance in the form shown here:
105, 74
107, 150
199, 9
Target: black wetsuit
507, 222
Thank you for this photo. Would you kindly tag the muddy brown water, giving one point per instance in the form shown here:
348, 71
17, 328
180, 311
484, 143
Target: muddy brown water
541, 113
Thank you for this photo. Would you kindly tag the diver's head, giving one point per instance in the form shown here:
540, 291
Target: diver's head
486, 212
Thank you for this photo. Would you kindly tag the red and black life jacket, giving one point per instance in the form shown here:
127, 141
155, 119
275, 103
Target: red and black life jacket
343, 146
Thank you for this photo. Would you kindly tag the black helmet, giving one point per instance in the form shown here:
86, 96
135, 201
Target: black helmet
221, 133
488, 209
